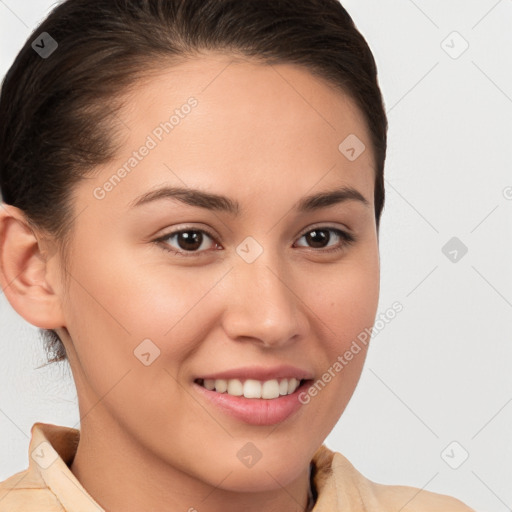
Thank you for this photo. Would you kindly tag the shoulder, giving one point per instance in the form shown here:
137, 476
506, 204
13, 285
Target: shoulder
403, 498
23, 492
413, 499
343, 487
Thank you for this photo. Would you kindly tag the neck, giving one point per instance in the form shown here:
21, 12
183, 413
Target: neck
122, 475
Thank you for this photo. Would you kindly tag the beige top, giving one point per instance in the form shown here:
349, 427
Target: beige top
48, 485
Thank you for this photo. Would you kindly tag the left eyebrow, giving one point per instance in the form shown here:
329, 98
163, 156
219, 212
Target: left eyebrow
211, 201
329, 198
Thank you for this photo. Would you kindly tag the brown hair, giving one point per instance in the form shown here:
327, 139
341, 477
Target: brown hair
58, 112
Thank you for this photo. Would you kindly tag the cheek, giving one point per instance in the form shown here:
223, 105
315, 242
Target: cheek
346, 297
120, 308
134, 295
132, 332
345, 303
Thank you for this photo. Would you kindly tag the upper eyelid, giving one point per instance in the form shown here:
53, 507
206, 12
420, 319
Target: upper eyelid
325, 226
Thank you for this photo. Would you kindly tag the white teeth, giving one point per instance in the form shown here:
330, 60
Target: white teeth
293, 384
270, 389
252, 388
209, 384
235, 387
221, 385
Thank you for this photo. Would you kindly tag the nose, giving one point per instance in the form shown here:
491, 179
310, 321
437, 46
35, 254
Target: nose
263, 305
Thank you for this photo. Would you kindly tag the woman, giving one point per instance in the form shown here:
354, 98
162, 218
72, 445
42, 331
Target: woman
192, 193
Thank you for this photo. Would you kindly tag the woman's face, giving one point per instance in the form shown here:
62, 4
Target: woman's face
255, 288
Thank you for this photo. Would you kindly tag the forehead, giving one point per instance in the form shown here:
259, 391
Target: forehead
239, 127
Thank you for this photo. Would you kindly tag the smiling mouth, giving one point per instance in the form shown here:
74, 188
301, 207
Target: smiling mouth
252, 388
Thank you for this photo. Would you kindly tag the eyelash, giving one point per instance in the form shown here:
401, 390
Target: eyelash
347, 239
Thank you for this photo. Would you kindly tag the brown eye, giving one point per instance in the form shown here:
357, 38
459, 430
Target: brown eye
186, 241
319, 238
189, 240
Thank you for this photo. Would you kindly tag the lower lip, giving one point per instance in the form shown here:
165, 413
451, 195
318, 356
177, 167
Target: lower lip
256, 411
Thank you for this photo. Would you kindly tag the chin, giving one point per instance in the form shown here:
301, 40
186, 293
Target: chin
269, 473
264, 480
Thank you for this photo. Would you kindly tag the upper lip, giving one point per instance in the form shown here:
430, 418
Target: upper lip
262, 373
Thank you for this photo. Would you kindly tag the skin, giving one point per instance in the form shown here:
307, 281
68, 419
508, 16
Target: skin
262, 135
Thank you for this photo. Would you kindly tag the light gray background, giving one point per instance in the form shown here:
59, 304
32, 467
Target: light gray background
440, 371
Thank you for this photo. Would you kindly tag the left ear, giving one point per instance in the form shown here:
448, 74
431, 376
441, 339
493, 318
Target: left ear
29, 282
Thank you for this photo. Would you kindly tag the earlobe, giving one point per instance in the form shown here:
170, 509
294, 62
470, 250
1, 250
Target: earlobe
25, 271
